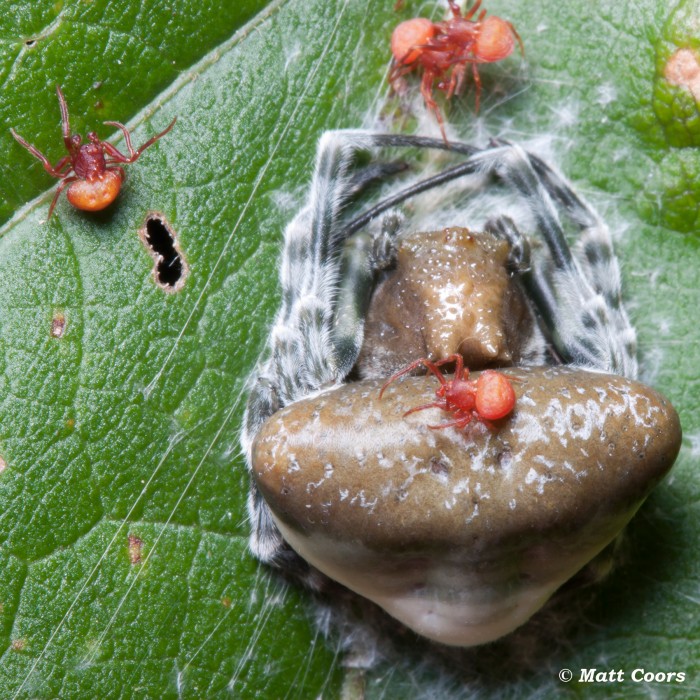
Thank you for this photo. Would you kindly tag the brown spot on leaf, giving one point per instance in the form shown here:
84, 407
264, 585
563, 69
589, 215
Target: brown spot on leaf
161, 240
18, 644
58, 325
135, 544
226, 601
683, 68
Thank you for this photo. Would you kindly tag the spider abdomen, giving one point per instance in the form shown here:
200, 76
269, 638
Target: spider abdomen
97, 193
463, 534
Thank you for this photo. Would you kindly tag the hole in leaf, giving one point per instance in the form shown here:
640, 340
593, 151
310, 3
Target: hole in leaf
160, 238
30, 42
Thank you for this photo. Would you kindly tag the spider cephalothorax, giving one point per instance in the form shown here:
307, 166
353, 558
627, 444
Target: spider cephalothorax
461, 534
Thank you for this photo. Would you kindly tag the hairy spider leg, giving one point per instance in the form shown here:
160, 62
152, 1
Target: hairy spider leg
317, 335
581, 309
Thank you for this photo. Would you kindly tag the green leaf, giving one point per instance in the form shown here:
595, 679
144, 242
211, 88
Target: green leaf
124, 571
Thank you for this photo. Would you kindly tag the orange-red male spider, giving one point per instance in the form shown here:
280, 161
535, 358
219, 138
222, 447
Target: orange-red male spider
443, 50
89, 170
487, 398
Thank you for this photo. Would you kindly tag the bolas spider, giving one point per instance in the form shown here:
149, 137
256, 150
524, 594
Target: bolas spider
460, 533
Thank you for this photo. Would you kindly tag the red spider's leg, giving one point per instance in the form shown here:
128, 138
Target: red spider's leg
517, 36
426, 89
477, 84
456, 11
436, 404
65, 161
153, 139
461, 70
462, 422
59, 189
114, 151
473, 9
65, 122
422, 361
399, 68
50, 169
459, 364
118, 156
394, 73
481, 16
456, 79
115, 155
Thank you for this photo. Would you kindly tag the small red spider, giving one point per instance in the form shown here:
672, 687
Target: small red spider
96, 181
485, 399
444, 49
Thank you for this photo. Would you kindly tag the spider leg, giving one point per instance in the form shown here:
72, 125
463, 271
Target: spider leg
517, 38
519, 254
470, 13
460, 423
65, 122
118, 156
354, 290
477, 87
435, 404
59, 189
459, 365
457, 83
53, 170
431, 366
582, 311
426, 89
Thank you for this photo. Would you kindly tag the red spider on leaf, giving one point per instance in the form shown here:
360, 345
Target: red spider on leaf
443, 50
485, 399
89, 170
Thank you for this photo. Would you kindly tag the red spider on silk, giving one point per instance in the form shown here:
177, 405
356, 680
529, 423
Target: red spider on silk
444, 50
